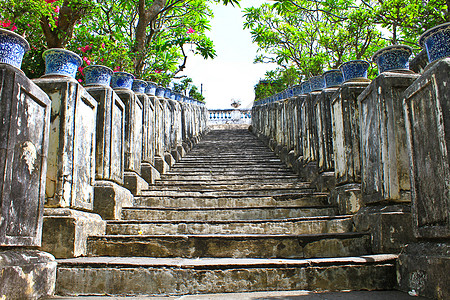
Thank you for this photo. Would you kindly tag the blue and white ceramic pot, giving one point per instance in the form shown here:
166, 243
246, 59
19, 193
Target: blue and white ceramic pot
173, 96
436, 41
354, 69
150, 89
159, 92
61, 62
290, 92
12, 48
392, 58
297, 90
306, 87
139, 86
178, 97
333, 78
167, 93
97, 75
317, 83
122, 80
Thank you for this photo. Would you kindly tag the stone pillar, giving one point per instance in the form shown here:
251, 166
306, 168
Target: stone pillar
385, 182
160, 164
25, 114
346, 146
109, 195
167, 133
134, 113
148, 170
68, 218
325, 163
424, 265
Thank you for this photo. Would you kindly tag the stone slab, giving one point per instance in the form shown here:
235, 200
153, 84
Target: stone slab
26, 274
119, 276
161, 166
347, 198
109, 198
134, 183
65, 231
169, 159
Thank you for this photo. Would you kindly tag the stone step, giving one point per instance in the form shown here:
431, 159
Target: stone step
223, 177
232, 245
241, 169
212, 186
230, 182
220, 213
235, 173
141, 276
311, 225
237, 193
186, 163
215, 202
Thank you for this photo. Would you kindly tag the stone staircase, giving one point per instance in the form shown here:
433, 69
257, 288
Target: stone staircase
228, 217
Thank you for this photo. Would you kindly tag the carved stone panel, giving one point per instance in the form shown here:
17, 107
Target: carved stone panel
345, 122
110, 134
24, 135
427, 118
384, 155
71, 154
134, 110
148, 129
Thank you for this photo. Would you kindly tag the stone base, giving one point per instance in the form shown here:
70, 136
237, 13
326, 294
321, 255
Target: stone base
347, 197
181, 151
291, 159
325, 182
26, 274
170, 160
149, 173
187, 146
134, 183
389, 225
309, 172
176, 155
423, 269
65, 231
109, 198
161, 166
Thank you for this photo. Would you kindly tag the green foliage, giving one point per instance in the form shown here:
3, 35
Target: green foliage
276, 81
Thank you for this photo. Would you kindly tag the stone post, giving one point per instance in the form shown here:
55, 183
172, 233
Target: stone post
424, 265
346, 146
134, 113
167, 133
68, 218
109, 195
25, 114
148, 170
325, 163
158, 103
385, 182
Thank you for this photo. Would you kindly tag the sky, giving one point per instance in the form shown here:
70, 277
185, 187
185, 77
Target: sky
232, 74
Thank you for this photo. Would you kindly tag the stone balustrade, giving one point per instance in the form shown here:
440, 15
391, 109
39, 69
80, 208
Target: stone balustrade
229, 116
381, 149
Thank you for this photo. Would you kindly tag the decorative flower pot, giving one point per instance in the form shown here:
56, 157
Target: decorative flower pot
159, 92
167, 93
297, 90
354, 69
436, 41
139, 86
290, 92
61, 62
306, 87
392, 58
122, 80
12, 48
317, 83
333, 78
97, 75
178, 97
151, 88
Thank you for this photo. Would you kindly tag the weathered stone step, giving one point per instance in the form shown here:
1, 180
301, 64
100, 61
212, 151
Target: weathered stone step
221, 177
230, 182
236, 173
227, 193
201, 162
212, 186
220, 213
240, 169
228, 245
311, 225
176, 276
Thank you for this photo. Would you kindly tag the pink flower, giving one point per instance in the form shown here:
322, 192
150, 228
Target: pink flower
116, 69
88, 62
102, 60
28, 25
50, 1
56, 9
14, 27
80, 80
80, 69
190, 30
158, 71
103, 45
6, 23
